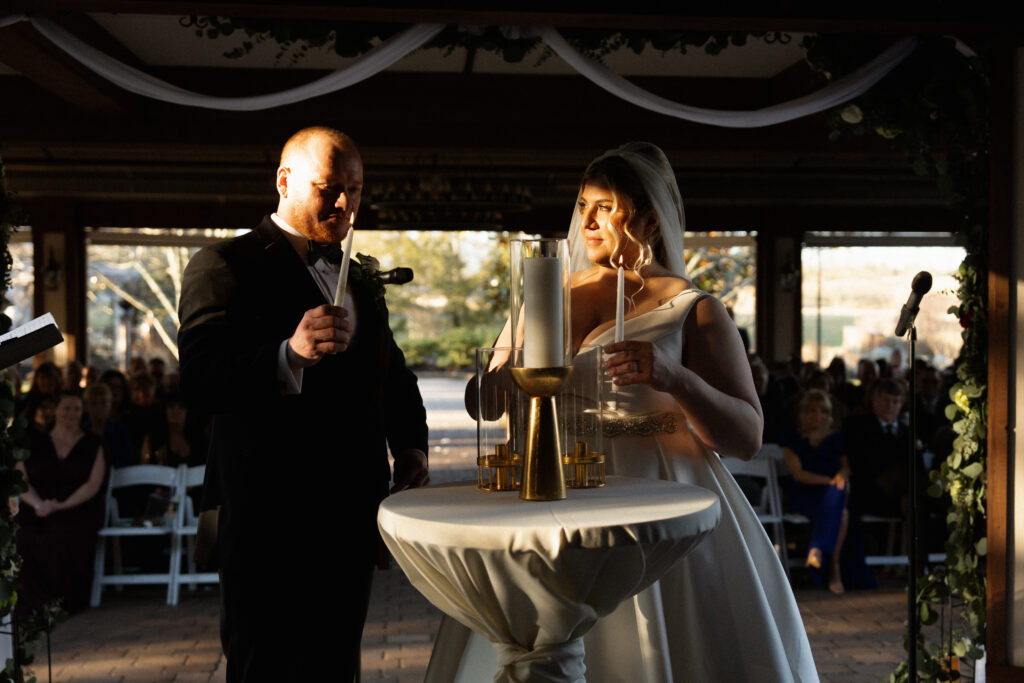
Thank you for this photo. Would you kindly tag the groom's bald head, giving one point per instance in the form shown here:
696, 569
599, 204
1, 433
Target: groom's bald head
319, 183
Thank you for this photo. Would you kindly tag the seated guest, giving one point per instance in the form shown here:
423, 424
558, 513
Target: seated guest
771, 398
40, 412
855, 397
119, 401
177, 444
821, 484
145, 418
60, 512
137, 366
90, 375
117, 442
877, 445
158, 369
73, 372
47, 380
931, 404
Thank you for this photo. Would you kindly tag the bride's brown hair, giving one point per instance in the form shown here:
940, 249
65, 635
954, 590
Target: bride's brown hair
631, 197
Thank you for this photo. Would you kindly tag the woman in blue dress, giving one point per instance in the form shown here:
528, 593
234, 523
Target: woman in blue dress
820, 490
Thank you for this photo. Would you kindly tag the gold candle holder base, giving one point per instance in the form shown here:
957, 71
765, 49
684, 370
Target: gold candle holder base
584, 469
543, 476
497, 472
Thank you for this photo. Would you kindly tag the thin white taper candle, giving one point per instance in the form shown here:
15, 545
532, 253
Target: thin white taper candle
346, 256
620, 301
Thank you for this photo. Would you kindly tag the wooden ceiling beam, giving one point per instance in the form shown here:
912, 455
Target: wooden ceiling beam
960, 19
26, 51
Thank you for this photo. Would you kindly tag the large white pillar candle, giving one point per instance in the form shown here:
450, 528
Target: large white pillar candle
544, 343
620, 304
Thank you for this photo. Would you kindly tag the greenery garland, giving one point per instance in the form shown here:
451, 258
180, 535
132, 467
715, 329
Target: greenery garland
934, 107
13, 447
350, 39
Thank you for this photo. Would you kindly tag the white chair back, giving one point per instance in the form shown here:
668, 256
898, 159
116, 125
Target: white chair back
115, 528
769, 509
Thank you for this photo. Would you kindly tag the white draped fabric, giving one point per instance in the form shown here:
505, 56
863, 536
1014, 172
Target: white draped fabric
397, 47
843, 90
131, 79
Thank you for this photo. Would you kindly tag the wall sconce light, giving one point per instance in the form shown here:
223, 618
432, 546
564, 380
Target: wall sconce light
789, 276
51, 272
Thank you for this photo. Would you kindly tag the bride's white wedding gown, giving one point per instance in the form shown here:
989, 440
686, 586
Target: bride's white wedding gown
725, 613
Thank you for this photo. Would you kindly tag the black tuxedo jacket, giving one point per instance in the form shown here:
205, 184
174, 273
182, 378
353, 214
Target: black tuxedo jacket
288, 468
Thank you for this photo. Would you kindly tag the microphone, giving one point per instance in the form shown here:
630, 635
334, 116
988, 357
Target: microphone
399, 276
918, 288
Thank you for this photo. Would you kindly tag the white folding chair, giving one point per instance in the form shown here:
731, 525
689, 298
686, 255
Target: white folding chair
769, 508
115, 528
187, 527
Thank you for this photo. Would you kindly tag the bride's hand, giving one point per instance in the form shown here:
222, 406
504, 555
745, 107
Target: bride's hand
638, 362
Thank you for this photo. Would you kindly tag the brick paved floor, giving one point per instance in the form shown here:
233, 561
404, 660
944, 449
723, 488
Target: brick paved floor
135, 638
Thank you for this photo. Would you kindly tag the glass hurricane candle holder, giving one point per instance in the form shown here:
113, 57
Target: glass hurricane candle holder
581, 412
499, 412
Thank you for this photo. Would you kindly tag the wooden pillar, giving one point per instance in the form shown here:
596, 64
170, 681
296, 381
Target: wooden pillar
778, 291
59, 265
1005, 453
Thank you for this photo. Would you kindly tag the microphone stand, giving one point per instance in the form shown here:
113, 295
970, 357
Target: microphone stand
913, 621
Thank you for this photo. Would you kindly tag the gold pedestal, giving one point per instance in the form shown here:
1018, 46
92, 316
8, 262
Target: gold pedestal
543, 477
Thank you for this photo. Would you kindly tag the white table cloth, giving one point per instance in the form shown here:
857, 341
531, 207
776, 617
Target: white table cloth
533, 577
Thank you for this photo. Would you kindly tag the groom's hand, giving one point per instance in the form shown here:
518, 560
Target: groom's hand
322, 330
410, 470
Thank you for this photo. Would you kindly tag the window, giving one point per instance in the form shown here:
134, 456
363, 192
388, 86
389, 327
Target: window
854, 285
133, 284
725, 264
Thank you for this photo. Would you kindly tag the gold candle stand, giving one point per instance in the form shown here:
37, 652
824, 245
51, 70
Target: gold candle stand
497, 472
584, 469
543, 477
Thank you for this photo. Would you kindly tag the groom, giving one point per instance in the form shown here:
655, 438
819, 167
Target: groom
306, 398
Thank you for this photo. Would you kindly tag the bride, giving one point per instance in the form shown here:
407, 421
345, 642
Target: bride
685, 387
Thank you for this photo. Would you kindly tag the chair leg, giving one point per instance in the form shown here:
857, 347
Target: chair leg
190, 560
97, 571
175, 569
117, 560
890, 542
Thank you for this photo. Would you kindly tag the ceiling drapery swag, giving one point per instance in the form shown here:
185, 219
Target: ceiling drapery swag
833, 94
397, 47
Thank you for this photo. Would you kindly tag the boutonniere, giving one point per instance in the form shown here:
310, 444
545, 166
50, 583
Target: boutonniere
368, 273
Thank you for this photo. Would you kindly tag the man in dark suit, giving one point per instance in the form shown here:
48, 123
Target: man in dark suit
305, 397
876, 445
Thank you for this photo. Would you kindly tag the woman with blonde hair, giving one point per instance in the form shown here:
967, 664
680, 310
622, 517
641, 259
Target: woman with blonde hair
816, 458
